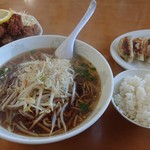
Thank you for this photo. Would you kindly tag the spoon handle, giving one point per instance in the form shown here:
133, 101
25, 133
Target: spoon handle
65, 50
84, 20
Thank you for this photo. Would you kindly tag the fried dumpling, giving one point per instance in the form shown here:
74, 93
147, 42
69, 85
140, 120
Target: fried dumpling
139, 48
147, 51
125, 49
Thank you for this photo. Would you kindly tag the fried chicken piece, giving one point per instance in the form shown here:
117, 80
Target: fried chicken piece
2, 31
15, 25
30, 30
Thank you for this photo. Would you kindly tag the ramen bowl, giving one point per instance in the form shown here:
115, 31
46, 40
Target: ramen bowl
18, 47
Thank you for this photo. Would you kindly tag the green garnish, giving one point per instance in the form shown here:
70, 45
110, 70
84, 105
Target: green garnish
32, 51
86, 71
86, 74
84, 65
93, 69
43, 78
4, 71
93, 78
84, 107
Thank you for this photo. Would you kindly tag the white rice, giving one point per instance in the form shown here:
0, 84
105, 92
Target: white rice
133, 99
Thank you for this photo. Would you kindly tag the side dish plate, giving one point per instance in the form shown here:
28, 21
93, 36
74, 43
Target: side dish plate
135, 64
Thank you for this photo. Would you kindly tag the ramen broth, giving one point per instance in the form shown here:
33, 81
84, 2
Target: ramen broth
35, 109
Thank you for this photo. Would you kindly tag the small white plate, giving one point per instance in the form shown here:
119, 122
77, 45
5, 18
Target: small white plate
135, 64
117, 81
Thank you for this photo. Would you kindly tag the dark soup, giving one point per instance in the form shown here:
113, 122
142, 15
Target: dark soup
41, 95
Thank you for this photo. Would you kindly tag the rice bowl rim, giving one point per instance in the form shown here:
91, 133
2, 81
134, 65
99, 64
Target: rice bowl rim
118, 79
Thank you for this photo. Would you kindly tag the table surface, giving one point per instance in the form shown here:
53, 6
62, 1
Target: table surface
111, 19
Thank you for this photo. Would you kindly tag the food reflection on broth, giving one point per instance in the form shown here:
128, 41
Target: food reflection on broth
42, 95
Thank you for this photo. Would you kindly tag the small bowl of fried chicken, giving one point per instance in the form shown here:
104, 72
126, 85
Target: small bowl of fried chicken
18, 26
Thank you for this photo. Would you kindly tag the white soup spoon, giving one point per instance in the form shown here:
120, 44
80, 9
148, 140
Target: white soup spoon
65, 50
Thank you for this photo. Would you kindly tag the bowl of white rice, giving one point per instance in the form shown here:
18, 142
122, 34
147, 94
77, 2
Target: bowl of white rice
131, 96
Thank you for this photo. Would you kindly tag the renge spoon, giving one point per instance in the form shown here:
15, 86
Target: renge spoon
65, 50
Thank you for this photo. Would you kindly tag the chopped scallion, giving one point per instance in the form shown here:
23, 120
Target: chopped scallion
84, 107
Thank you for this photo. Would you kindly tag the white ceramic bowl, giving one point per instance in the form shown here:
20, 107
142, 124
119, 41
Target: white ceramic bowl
102, 66
117, 81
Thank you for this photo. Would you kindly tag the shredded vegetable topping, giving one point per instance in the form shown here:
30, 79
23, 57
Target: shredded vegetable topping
27, 19
40, 80
53, 75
